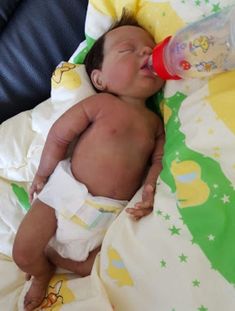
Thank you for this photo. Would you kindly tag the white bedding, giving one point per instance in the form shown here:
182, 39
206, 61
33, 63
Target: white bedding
179, 258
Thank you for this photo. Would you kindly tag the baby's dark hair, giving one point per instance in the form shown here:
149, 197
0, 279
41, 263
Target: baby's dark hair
94, 58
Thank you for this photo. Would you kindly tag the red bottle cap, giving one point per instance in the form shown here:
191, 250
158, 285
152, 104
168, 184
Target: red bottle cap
158, 61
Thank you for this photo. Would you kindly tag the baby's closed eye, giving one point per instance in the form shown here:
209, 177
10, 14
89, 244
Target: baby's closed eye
126, 48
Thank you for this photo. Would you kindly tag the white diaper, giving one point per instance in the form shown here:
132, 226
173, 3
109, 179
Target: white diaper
82, 219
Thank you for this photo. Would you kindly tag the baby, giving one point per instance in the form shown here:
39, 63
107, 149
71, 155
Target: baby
119, 144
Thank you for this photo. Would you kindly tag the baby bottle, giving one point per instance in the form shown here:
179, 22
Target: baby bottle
200, 49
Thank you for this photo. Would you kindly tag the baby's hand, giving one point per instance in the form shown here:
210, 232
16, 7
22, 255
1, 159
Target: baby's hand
144, 207
37, 185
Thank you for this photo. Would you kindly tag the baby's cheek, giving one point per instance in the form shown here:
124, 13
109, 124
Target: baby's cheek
121, 78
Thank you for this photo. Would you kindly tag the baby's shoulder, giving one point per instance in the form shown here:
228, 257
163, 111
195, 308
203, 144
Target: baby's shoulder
153, 116
97, 102
155, 121
101, 98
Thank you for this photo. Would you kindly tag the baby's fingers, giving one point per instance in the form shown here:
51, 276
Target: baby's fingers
31, 193
148, 193
138, 213
143, 205
35, 189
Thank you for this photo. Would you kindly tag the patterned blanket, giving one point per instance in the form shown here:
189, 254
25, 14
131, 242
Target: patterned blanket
182, 256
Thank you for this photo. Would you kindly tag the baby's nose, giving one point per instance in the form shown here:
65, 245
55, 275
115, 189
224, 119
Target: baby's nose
146, 50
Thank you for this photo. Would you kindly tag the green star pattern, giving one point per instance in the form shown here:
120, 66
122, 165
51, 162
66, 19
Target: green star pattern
196, 283
174, 230
183, 258
209, 217
216, 8
200, 220
163, 263
167, 217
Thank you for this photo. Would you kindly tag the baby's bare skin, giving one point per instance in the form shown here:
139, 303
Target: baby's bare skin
115, 144
115, 147
119, 147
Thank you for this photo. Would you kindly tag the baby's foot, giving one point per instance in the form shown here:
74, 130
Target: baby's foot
35, 294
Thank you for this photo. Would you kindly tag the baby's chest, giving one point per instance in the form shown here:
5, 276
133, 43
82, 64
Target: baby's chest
129, 124
137, 135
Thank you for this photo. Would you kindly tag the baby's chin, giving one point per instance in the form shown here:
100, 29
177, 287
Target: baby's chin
156, 88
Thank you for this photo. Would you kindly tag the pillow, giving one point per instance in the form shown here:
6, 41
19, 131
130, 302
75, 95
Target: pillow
22, 138
197, 162
199, 169
160, 18
199, 166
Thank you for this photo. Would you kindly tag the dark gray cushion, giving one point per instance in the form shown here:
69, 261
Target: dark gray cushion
35, 35
7, 8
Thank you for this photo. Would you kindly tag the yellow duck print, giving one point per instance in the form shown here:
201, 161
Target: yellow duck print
65, 75
57, 294
117, 270
191, 190
202, 42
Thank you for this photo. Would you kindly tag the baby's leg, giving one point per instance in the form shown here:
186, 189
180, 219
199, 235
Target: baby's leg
82, 268
33, 235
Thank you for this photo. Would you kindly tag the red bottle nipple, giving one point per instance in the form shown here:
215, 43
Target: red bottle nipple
158, 63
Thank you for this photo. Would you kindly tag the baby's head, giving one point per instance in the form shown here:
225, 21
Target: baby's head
117, 62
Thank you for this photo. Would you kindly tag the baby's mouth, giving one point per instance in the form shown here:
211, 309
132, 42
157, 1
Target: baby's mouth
145, 65
146, 69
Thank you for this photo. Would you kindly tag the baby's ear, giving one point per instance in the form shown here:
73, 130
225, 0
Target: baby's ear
97, 79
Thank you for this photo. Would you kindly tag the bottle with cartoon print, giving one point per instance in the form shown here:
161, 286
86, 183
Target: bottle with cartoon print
200, 49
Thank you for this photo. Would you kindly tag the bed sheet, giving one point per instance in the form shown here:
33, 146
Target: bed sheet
179, 258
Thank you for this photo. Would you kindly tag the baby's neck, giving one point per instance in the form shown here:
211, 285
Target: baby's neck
138, 102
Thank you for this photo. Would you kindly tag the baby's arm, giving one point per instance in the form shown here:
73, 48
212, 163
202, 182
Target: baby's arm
72, 123
145, 207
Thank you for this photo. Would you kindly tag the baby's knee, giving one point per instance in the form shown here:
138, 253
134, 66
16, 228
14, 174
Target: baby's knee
22, 255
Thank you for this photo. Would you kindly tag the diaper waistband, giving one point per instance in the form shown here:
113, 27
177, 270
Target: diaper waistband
71, 194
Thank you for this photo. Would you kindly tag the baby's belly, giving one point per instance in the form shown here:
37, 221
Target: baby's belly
108, 175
